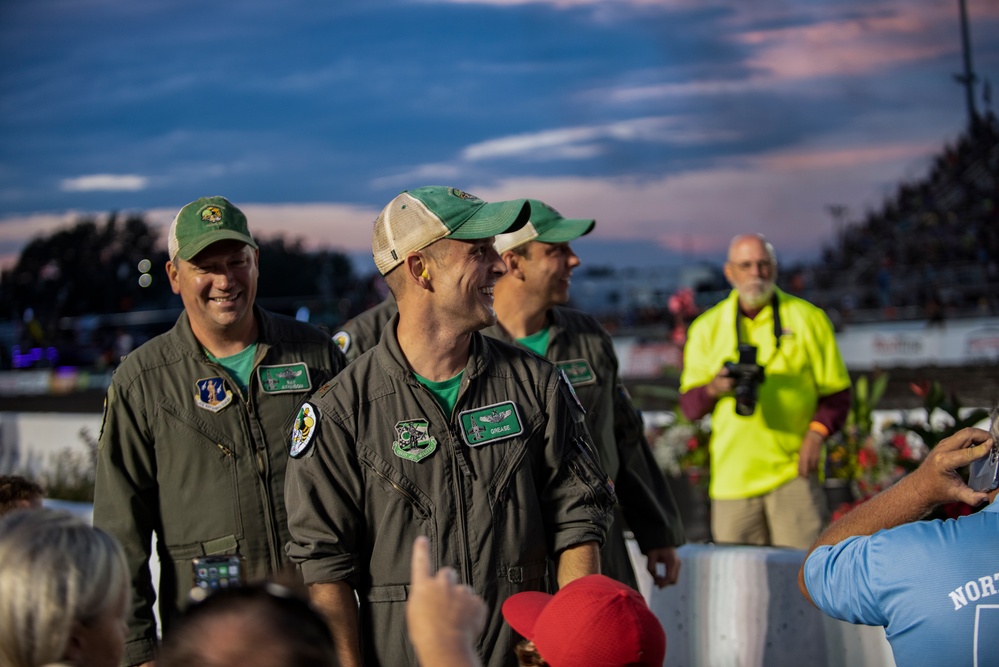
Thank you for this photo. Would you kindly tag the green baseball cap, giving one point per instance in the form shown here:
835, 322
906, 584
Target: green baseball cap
417, 218
203, 222
547, 226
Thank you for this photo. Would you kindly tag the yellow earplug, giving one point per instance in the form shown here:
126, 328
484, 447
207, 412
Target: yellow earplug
425, 274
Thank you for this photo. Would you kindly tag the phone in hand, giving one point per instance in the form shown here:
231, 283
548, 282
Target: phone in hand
213, 572
984, 473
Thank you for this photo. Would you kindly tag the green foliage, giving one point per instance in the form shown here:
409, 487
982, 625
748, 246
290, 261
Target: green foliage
872, 458
681, 448
935, 398
70, 473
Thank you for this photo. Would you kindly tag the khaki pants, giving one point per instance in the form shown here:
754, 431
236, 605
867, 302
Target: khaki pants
791, 515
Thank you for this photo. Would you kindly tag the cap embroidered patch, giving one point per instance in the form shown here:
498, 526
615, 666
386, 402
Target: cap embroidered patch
212, 394
284, 379
578, 372
413, 441
303, 429
342, 340
491, 423
212, 215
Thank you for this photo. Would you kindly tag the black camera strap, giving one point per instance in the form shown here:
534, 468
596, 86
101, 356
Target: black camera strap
778, 330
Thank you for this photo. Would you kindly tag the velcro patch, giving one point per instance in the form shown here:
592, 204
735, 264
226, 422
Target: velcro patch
284, 378
490, 423
303, 430
579, 372
342, 340
212, 394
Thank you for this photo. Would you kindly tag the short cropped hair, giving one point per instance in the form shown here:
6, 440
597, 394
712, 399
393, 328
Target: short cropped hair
17, 492
280, 627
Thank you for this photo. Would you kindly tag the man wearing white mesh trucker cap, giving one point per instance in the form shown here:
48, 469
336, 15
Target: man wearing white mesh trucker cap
192, 446
440, 431
530, 305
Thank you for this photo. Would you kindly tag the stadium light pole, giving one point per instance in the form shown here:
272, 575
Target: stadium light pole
967, 79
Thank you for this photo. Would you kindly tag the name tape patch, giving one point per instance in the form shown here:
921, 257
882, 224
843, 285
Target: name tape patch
284, 378
490, 423
578, 372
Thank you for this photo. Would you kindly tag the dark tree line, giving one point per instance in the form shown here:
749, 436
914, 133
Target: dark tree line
95, 268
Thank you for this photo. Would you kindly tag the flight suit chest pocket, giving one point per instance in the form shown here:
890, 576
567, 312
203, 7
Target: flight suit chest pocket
395, 486
197, 469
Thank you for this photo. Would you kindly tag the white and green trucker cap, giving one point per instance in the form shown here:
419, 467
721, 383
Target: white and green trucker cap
417, 218
546, 226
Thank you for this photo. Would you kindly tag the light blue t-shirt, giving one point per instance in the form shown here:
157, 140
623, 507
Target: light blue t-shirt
933, 585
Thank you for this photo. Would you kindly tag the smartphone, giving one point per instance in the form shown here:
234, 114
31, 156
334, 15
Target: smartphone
213, 572
984, 473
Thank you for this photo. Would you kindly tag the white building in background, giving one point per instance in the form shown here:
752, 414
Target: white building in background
605, 291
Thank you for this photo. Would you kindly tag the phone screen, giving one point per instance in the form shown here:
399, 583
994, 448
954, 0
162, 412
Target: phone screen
984, 473
213, 572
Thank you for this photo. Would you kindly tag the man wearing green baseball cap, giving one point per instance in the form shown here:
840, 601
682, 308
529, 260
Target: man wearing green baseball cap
531, 307
441, 432
192, 447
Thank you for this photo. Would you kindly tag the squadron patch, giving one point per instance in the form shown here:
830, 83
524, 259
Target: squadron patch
212, 394
578, 372
412, 440
303, 430
284, 379
490, 423
342, 340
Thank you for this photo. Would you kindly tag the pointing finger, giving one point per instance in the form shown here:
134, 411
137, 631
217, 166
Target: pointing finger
421, 560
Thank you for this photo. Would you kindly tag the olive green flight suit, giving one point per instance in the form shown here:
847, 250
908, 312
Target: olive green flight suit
504, 483
184, 454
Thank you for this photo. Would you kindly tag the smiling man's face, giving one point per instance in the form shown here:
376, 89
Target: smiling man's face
218, 286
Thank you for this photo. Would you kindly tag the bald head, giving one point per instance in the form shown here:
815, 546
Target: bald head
751, 269
752, 240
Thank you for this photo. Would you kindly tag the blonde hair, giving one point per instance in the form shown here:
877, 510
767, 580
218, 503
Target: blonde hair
55, 570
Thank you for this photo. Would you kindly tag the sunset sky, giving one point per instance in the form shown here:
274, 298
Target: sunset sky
675, 123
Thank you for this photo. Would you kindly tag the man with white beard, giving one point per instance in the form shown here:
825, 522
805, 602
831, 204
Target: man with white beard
765, 365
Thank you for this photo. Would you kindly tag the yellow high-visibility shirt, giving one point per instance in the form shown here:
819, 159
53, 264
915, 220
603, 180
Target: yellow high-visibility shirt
754, 455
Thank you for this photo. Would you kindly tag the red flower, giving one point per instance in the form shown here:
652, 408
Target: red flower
921, 388
867, 458
693, 444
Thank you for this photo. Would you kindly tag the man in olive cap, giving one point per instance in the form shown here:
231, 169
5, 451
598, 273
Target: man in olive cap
531, 309
442, 432
192, 447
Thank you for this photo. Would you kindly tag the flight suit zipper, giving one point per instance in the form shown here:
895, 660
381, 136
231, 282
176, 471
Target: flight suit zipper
458, 470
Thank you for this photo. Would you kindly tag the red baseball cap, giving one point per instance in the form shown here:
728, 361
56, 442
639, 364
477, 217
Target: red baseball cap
593, 621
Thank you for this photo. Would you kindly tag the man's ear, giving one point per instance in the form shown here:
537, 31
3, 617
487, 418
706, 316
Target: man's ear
172, 275
514, 264
417, 269
727, 270
76, 644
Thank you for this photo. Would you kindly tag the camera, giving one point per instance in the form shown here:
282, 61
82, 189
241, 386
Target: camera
748, 375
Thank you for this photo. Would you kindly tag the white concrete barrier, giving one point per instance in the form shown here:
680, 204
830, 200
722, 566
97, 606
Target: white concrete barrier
740, 606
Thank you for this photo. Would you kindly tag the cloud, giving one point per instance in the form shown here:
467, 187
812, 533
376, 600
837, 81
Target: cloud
586, 141
783, 194
844, 47
105, 182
